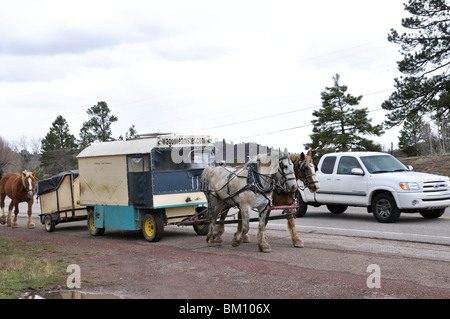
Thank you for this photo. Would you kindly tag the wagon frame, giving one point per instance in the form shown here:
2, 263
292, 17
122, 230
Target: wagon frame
59, 199
138, 184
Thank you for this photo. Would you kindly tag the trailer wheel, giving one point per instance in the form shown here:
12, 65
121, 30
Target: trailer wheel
201, 230
94, 231
49, 223
152, 227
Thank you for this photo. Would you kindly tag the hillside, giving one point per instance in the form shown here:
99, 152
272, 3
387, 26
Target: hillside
439, 164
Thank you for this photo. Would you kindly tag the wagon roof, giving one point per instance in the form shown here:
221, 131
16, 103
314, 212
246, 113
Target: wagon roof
138, 146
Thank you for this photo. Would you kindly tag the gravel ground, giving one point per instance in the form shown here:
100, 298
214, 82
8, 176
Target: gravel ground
182, 265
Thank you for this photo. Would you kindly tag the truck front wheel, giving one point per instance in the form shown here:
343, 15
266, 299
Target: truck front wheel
385, 209
152, 227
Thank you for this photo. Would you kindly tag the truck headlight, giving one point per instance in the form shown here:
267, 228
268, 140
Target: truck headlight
410, 186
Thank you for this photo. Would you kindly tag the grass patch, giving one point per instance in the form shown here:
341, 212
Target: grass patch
23, 266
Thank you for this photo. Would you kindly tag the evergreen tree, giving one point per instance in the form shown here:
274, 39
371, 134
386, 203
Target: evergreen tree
411, 136
98, 127
338, 127
426, 60
59, 148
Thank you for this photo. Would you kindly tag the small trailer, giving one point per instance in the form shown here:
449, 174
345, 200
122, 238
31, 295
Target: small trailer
144, 183
60, 200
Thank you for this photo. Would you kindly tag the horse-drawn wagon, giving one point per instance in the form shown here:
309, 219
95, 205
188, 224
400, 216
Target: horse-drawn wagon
145, 183
60, 199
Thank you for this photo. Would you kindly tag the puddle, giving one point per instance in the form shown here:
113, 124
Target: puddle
69, 294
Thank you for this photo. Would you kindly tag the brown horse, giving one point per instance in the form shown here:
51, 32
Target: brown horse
20, 188
305, 171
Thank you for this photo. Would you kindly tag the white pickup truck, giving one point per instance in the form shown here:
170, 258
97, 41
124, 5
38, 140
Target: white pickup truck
379, 182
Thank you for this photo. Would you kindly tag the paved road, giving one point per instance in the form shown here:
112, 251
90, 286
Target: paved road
357, 222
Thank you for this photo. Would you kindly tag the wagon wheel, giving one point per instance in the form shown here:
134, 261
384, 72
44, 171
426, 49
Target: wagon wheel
94, 231
152, 227
202, 213
49, 223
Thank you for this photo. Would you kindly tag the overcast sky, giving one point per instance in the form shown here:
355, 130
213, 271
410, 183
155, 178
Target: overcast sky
239, 70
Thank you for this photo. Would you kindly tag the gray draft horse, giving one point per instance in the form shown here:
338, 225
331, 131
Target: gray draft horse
249, 187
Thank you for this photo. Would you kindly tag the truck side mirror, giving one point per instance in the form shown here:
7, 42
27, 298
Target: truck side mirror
410, 167
357, 171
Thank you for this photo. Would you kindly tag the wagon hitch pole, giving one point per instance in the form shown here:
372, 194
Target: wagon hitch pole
235, 221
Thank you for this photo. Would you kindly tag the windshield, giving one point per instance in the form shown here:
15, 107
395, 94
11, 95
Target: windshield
383, 164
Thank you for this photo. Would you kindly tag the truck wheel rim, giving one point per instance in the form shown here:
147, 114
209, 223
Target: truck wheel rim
91, 223
383, 208
149, 227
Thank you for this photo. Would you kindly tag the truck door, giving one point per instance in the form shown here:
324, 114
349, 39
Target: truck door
325, 177
350, 187
139, 181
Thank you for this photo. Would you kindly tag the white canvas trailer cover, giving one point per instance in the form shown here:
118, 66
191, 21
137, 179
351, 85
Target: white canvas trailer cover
59, 198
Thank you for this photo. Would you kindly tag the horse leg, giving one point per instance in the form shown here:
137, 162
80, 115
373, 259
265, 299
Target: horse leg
30, 224
239, 229
221, 227
2, 205
14, 223
296, 240
10, 208
213, 237
243, 226
263, 244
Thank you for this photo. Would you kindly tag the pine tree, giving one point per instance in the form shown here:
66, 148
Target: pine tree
426, 60
411, 136
59, 148
98, 127
338, 127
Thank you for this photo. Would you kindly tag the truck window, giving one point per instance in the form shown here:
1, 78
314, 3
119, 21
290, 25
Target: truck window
328, 165
185, 159
138, 163
346, 164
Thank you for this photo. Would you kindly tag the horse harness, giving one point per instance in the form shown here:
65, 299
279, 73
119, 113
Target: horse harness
253, 184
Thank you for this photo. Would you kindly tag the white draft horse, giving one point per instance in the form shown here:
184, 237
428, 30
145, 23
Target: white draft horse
249, 187
20, 188
305, 171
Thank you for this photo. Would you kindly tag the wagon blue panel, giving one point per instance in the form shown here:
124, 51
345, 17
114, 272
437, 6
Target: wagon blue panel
116, 217
177, 181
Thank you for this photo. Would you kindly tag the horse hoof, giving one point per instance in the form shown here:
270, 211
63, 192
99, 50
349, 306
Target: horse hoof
214, 244
246, 239
2, 220
236, 243
265, 248
299, 244
15, 225
31, 226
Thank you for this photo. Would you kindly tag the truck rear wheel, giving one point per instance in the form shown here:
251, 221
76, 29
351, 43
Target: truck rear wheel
385, 209
152, 227
94, 231
302, 207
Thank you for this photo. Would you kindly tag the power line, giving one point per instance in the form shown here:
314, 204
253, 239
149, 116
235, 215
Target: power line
279, 114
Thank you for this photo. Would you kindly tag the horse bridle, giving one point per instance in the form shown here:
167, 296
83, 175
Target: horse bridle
284, 175
302, 170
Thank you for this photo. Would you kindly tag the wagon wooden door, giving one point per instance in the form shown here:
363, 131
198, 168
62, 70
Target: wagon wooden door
139, 181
